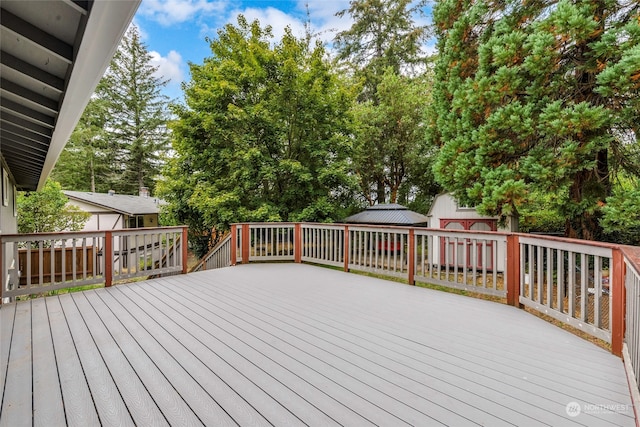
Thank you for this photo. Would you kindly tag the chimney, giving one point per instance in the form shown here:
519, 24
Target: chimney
144, 192
111, 192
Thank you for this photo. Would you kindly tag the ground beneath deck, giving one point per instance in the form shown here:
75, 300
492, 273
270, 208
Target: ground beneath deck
289, 344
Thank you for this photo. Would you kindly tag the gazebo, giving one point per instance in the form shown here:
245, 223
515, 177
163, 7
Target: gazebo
388, 214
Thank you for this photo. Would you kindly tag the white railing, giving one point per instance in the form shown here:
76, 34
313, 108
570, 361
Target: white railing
379, 250
271, 242
47, 262
572, 281
44, 262
568, 281
140, 252
632, 318
471, 261
323, 244
218, 257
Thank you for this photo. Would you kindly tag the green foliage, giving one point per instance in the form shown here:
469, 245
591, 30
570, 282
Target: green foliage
536, 98
84, 163
47, 211
621, 214
382, 49
121, 140
383, 35
389, 151
263, 135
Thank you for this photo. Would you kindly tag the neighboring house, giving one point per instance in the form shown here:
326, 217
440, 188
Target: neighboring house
447, 214
53, 56
111, 211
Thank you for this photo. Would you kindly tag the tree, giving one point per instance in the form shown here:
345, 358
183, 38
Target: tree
536, 97
383, 48
47, 211
137, 115
121, 140
263, 135
83, 164
389, 136
383, 35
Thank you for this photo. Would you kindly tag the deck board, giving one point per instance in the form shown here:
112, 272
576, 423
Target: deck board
47, 398
287, 344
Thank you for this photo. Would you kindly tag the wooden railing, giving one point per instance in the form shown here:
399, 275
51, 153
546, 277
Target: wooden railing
218, 257
591, 286
43, 262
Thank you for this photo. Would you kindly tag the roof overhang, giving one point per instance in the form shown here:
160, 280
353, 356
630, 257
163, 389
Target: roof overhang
52, 56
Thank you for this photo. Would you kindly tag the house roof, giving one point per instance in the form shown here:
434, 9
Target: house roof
121, 203
52, 56
389, 214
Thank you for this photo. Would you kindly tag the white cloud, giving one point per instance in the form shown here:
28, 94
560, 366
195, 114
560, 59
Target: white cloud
169, 12
271, 16
170, 67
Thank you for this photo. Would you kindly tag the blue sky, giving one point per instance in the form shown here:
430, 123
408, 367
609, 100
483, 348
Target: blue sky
174, 31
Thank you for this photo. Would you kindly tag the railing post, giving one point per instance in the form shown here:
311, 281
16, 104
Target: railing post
245, 243
412, 256
234, 244
297, 242
108, 258
347, 247
513, 270
617, 303
185, 248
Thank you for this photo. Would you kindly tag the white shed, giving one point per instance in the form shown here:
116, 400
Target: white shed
446, 213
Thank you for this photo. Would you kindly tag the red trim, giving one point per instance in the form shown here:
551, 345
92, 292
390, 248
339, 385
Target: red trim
618, 303
108, 258
513, 271
234, 244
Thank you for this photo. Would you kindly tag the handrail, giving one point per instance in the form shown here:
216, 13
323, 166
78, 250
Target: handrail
219, 256
45, 262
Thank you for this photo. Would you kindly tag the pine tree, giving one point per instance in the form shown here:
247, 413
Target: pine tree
121, 140
383, 51
534, 98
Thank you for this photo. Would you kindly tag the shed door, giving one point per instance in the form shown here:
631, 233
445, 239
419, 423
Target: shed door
453, 255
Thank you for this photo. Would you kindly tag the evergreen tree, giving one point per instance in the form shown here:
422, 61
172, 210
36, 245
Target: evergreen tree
263, 135
383, 35
121, 140
83, 164
382, 48
536, 97
137, 116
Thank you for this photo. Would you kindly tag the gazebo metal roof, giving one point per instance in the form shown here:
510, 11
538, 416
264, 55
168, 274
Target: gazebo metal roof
388, 214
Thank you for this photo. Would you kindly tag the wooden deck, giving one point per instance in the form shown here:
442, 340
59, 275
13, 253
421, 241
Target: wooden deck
290, 344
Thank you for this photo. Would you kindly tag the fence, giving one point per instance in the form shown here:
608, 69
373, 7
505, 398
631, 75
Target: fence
44, 262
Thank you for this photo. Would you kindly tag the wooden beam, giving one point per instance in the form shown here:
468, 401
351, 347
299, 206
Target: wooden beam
35, 35
28, 113
245, 243
618, 298
513, 270
412, 257
108, 258
29, 95
347, 246
297, 242
185, 248
53, 82
234, 244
